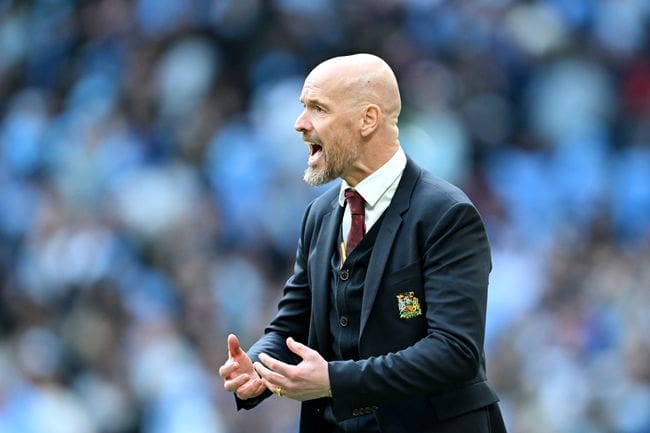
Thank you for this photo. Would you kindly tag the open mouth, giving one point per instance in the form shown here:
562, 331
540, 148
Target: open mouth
315, 153
314, 149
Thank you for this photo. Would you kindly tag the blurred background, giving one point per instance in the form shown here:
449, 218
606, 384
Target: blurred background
151, 194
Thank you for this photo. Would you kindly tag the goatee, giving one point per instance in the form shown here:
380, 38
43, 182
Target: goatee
317, 177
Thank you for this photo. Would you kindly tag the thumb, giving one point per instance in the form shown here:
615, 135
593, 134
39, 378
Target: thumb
233, 345
298, 348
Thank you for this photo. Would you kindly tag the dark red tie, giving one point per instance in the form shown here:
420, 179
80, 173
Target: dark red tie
358, 227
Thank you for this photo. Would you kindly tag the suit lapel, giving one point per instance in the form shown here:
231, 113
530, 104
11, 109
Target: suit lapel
385, 238
320, 269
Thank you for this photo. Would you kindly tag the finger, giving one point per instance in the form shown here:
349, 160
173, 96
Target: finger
228, 368
233, 345
250, 388
247, 392
260, 387
276, 365
298, 348
272, 378
234, 384
271, 386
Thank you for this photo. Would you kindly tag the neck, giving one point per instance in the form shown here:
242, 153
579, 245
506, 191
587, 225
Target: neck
372, 160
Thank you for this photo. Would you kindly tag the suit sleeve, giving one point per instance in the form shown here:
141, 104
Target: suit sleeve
456, 264
292, 318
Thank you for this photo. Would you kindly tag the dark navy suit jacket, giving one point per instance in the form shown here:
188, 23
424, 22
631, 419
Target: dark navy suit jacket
422, 371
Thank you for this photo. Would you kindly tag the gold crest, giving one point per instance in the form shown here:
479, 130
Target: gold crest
408, 305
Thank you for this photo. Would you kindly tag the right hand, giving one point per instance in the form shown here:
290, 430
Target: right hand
238, 373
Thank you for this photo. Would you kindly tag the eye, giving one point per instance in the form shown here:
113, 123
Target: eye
318, 109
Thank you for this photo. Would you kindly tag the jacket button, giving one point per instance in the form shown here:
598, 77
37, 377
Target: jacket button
343, 321
344, 274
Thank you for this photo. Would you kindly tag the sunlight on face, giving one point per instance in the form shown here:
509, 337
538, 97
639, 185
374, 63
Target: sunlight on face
327, 126
338, 154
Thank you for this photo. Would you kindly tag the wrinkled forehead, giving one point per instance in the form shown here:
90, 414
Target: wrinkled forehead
354, 80
329, 81
323, 82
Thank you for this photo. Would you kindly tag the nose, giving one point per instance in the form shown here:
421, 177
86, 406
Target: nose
302, 123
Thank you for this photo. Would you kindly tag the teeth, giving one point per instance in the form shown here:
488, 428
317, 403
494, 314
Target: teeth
313, 147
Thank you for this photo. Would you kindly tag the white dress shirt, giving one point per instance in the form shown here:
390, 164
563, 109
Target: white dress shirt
377, 191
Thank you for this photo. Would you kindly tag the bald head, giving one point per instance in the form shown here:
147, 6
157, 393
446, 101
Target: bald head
349, 121
362, 79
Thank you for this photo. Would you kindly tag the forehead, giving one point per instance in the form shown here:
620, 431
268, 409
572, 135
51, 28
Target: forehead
320, 86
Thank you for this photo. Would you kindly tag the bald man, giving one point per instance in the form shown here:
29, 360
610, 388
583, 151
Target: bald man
381, 325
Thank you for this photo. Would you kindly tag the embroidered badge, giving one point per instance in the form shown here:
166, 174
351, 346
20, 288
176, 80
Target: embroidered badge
409, 305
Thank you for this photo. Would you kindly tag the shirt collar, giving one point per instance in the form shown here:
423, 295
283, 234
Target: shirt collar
373, 187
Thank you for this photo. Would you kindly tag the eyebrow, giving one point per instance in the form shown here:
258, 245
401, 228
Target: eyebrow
314, 101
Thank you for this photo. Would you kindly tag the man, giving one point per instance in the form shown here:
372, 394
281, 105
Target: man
380, 328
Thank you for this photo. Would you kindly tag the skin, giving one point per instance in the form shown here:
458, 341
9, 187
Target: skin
351, 107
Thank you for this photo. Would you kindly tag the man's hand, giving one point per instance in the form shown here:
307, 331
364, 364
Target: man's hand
238, 373
306, 381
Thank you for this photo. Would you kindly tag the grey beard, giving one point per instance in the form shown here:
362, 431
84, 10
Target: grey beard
317, 178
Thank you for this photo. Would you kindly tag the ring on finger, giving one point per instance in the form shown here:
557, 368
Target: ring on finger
278, 391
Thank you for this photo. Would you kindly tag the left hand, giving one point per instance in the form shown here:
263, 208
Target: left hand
306, 381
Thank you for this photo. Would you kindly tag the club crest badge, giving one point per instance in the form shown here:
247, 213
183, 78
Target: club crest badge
408, 305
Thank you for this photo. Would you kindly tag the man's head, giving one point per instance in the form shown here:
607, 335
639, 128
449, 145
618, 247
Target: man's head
352, 104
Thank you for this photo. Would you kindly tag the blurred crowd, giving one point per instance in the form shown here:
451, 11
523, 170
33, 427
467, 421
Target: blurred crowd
151, 196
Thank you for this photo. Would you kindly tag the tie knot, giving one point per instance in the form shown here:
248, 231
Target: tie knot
355, 201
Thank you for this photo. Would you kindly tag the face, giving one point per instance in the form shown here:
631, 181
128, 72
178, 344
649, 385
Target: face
326, 125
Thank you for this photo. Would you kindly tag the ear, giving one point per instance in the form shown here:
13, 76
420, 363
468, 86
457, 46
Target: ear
370, 120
